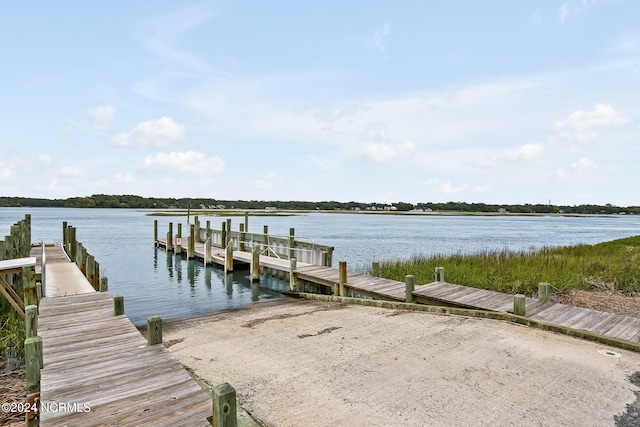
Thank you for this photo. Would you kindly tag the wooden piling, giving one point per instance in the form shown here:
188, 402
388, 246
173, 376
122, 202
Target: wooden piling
410, 283
155, 232
255, 264
170, 238
207, 251
30, 292
178, 248
292, 242
375, 269
439, 274
228, 231
224, 406
31, 321
154, 330
73, 244
242, 238
519, 305
342, 278
91, 269
104, 284
118, 305
33, 362
223, 235
543, 292
265, 235
292, 276
228, 259
191, 248
196, 226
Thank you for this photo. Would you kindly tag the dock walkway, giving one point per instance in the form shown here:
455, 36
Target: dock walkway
97, 367
101, 362
448, 294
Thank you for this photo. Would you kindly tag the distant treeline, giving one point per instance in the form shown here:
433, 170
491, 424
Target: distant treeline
131, 201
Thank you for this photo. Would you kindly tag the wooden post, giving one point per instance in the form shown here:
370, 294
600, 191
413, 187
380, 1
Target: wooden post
72, 244
191, 249
118, 305
33, 364
64, 234
439, 274
519, 305
178, 248
255, 264
196, 226
104, 284
91, 268
155, 232
170, 238
228, 230
292, 242
410, 282
207, 251
241, 239
375, 269
265, 235
224, 406
343, 278
246, 221
30, 292
154, 330
31, 321
208, 231
96, 276
223, 235
543, 292
292, 276
228, 259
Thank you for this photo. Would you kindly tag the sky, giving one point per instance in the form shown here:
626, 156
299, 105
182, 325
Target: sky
502, 102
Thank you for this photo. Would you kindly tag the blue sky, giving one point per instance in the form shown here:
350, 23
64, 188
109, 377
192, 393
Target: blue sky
415, 101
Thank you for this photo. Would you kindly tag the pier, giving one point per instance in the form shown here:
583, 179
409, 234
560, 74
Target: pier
86, 363
279, 256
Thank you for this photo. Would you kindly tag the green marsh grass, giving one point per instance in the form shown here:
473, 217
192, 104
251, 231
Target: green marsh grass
611, 265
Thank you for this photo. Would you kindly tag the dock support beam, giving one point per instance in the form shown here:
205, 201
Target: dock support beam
207, 251
228, 259
543, 292
343, 279
155, 232
170, 238
410, 282
191, 248
118, 305
255, 264
375, 269
292, 277
224, 406
154, 330
104, 284
33, 364
519, 305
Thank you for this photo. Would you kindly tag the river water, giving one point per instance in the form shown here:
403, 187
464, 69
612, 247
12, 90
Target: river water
154, 282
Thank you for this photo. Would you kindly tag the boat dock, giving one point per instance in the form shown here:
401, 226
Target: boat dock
281, 259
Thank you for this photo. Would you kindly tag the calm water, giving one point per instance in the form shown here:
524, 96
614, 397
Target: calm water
154, 282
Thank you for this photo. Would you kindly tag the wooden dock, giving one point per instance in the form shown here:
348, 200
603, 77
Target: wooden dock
448, 294
100, 370
97, 367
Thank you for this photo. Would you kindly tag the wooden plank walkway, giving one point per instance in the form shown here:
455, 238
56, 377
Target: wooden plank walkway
100, 361
63, 277
448, 294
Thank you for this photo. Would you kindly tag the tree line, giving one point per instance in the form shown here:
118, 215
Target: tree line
138, 202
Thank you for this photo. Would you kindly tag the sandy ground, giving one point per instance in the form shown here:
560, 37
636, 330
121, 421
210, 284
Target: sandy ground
302, 363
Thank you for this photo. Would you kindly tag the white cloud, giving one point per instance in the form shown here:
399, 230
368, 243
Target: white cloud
123, 178
576, 170
525, 153
584, 125
379, 36
445, 187
101, 116
576, 7
382, 152
267, 181
72, 172
189, 162
152, 133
